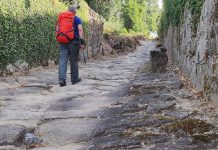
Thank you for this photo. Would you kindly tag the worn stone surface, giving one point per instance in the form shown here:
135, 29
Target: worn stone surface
177, 114
158, 107
36, 101
10, 147
118, 105
115, 142
11, 134
31, 139
139, 117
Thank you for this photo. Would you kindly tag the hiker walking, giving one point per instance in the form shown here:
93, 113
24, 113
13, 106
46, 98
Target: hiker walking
69, 34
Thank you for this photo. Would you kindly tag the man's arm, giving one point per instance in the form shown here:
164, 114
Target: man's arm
81, 35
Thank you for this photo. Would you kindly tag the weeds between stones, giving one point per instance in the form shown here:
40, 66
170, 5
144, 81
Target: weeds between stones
190, 126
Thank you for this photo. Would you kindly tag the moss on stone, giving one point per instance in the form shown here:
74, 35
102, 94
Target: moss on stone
206, 138
190, 126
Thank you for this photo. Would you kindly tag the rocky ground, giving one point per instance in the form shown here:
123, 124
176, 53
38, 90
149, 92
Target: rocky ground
118, 105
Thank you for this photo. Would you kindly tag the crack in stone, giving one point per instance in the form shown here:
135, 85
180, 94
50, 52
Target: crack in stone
43, 121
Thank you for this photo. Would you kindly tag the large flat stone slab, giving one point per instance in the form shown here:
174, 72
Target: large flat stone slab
159, 106
10, 134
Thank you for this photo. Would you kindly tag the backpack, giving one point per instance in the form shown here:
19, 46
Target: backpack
64, 27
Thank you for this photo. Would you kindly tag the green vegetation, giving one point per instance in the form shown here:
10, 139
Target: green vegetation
128, 17
173, 13
191, 126
27, 30
27, 27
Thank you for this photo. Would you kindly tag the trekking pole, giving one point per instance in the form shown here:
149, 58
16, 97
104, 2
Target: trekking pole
83, 48
84, 57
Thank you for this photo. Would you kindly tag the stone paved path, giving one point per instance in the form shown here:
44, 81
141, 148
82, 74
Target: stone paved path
118, 105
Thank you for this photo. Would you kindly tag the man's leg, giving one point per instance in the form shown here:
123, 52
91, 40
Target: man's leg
74, 47
64, 55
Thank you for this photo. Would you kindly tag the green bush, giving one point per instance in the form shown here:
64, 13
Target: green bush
27, 30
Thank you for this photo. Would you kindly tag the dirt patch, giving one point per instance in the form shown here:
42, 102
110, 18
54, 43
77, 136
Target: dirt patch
120, 44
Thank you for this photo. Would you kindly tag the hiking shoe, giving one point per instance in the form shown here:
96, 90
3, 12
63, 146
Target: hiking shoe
62, 83
77, 81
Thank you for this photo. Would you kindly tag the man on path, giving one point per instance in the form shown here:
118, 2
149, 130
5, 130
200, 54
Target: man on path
70, 50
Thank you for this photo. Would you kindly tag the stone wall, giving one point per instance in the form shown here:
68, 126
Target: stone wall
196, 54
94, 38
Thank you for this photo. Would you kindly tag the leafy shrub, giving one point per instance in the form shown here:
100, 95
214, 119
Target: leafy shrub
27, 30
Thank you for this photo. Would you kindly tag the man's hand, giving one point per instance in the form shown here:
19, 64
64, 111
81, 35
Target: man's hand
82, 42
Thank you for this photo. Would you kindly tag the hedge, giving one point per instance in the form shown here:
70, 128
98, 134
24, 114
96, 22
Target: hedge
27, 31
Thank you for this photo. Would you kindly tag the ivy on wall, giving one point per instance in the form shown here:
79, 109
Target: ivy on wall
173, 13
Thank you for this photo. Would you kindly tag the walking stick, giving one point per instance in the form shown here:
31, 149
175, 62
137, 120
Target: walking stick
84, 57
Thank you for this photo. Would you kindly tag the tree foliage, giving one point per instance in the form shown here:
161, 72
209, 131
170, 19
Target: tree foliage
135, 16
